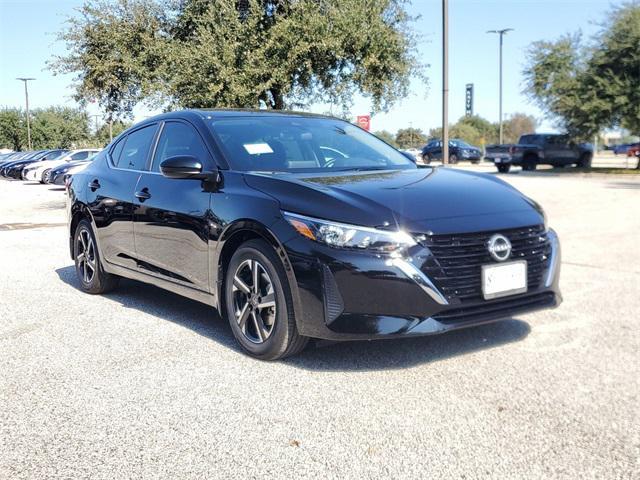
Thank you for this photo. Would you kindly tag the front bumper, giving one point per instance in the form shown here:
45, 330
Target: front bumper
347, 295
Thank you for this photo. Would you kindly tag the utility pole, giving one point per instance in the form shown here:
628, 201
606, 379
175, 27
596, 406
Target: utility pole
445, 81
96, 117
26, 98
411, 134
501, 33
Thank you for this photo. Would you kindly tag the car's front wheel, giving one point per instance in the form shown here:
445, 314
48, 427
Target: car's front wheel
426, 159
93, 279
259, 305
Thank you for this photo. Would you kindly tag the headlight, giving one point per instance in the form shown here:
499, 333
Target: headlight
340, 235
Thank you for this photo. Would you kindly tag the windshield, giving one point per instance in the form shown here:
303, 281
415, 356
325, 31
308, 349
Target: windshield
288, 144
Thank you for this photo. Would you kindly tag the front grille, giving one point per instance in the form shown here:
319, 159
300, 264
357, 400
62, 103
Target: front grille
495, 309
458, 259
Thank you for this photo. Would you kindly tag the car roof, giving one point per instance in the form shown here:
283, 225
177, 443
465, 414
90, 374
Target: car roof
207, 114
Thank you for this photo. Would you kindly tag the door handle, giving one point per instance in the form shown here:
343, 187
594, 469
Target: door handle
94, 185
143, 194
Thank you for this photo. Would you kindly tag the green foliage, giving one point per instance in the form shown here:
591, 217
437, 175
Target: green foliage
476, 130
387, 137
587, 88
479, 131
251, 53
410, 138
102, 137
59, 127
113, 48
13, 129
53, 127
517, 125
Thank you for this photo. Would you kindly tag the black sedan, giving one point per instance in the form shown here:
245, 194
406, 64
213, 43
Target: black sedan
458, 150
298, 226
59, 174
14, 169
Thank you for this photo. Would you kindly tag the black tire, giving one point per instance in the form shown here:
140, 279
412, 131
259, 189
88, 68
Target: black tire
42, 176
269, 333
476, 161
453, 159
504, 168
426, 159
93, 279
585, 160
529, 163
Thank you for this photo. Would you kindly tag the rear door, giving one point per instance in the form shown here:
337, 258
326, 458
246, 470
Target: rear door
172, 215
111, 195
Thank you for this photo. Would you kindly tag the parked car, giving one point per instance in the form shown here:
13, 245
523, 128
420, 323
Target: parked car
623, 149
21, 160
536, 149
458, 150
242, 211
36, 172
56, 175
15, 169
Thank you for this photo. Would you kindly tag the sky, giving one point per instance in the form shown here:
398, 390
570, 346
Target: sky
28, 41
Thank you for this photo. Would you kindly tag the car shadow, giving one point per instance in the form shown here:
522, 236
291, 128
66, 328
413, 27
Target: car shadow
319, 356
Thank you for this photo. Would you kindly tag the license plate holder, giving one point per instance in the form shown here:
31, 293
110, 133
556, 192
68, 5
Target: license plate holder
501, 280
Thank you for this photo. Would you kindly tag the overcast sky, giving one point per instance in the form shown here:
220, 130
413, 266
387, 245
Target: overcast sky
27, 41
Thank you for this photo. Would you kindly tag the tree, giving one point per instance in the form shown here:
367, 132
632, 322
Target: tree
482, 131
517, 125
588, 87
13, 129
250, 53
59, 127
102, 137
387, 137
410, 138
113, 49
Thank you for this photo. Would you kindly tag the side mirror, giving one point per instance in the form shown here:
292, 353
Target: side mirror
409, 156
182, 166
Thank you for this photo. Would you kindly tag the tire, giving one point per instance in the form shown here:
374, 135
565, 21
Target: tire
426, 159
262, 318
585, 160
93, 279
504, 168
529, 163
453, 159
42, 176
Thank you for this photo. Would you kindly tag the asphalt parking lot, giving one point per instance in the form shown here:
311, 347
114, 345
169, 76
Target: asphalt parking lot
142, 383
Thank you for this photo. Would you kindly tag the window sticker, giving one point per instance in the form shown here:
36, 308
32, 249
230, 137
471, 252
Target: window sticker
257, 148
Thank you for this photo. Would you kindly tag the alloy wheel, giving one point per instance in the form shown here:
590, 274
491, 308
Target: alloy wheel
86, 256
254, 301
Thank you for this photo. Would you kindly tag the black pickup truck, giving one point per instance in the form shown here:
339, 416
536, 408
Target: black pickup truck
536, 149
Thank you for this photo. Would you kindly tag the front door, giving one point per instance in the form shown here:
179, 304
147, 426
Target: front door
171, 222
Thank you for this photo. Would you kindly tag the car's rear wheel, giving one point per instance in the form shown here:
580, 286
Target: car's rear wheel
259, 304
426, 159
453, 158
93, 279
504, 168
585, 160
529, 163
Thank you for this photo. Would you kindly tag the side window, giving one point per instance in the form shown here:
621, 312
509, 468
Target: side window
79, 156
178, 138
136, 148
117, 151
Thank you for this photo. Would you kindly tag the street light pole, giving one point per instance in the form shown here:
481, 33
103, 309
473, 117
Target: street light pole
26, 98
501, 33
445, 81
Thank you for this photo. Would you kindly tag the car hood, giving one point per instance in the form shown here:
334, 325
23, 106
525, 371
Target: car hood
441, 200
